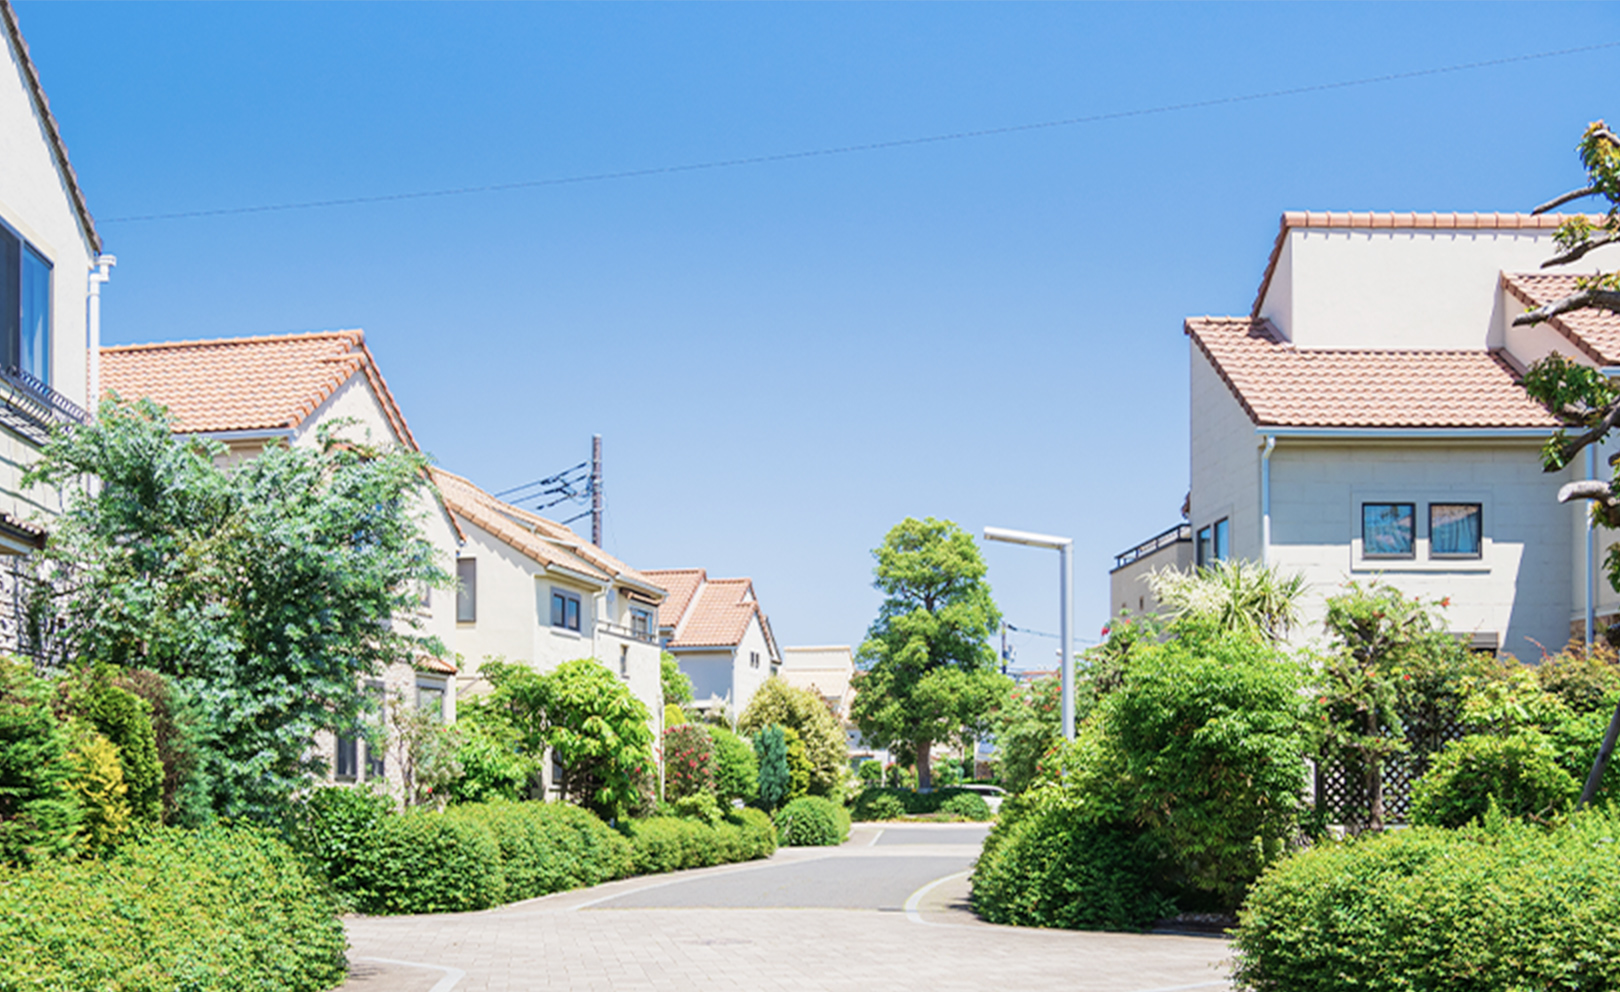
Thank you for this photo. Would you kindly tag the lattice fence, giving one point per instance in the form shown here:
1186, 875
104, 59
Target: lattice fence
1341, 790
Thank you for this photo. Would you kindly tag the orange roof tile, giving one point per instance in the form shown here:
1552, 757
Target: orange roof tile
243, 384
719, 615
681, 584
1594, 332
1282, 386
431, 663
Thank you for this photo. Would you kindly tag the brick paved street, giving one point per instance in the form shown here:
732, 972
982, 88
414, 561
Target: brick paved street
850, 918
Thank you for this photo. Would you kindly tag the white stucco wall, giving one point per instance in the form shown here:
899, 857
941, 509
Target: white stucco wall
1127, 587
1520, 588
1225, 460
1359, 288
748, 679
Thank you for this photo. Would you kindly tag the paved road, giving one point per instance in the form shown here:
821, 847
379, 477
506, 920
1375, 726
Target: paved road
886, 911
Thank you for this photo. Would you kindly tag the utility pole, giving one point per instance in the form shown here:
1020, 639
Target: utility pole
596, 489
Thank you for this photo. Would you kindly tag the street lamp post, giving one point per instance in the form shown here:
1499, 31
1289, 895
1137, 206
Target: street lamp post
1064, 546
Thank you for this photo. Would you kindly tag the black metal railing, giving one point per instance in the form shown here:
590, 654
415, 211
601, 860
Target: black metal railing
33, 409
1158, 542
628, 633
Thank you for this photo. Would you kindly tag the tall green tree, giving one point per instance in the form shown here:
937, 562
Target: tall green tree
927, 667
266, 592
775, 778
805, 713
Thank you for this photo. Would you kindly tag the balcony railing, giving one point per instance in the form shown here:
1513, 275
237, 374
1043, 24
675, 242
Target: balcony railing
628, 633
1158, 542
33, 409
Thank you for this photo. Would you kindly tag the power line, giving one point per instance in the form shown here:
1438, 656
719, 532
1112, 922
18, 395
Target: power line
866, 147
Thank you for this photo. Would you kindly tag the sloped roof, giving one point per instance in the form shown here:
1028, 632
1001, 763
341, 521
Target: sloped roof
53, 134
1594, 332
680, 585
1282, 386
709, 613
548, 543
244, 384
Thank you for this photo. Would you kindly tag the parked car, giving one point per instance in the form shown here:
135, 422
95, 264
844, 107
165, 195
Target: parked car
991, 794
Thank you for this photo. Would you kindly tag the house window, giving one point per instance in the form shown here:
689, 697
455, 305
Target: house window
1455, 530
466, 590
624, 661
1387, 530
753, 659
641, 622
430, 697
1223, 539
348, 759
1204, 552
25, 307
1214, 542
564, 610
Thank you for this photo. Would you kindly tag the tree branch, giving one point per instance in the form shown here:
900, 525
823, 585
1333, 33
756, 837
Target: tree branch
1601, 299
1598, 491
1558, 201
1579, 251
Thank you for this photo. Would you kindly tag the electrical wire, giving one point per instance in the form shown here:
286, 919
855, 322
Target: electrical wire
873, 146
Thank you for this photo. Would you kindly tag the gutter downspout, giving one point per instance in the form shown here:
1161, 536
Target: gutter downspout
102, 272
1265, 499
1591, 554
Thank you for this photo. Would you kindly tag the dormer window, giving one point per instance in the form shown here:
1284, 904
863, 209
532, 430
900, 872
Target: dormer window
25, 307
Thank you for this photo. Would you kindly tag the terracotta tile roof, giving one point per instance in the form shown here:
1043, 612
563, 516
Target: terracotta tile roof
1281, 386
53, 134
1399, 221
719, 615
1594, 332
564, 535
472, 504
430, 663
680, 584
243, 384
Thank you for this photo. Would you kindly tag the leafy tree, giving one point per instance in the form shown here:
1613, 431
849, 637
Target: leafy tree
426, 751
1232, 594
265, 592
39, 813
689, 761
806, 714
770, 750
1028, 727
928, 669
736, 773
676, 685
798, 762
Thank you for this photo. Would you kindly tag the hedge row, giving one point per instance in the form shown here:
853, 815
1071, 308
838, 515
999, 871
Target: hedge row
891, 804
668, 843
217, 910
811, 821
1503, 906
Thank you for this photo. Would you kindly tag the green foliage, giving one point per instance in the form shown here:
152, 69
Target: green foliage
177, 732
770, 751
677, 687
927, 667
879, 804
549, 847
1233, 595
798, 761
99, 781
966, 806
870, 774
494, 764
736, 773
674, 716
806, 714
333, 827
424, 861
39, 812
1047, 864
1503, 906
811, 821
1518, 774
689, 761
1028, 727
125, 720
426, 750
699, 806
265, 591
220, 910
663, 844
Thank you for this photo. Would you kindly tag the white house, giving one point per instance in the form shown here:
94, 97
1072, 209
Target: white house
1366, 420
718, 633
531, 591
252, 392
51, 270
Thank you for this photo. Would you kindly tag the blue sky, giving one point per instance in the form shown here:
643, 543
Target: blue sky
786, 359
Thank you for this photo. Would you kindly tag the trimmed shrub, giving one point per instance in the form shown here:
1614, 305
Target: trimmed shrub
967, 805
811, 821
549, 847
700, 806
218, 910
333, 827
689, 763
667, 843
1045, 866
891, 804
98, 779
736, 774
770, 750
423, 861
803, 712
1505, 905
1519, 774
125, 720
879, 804
39, 813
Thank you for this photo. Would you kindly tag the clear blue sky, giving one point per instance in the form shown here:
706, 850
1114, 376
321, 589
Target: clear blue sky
786, 359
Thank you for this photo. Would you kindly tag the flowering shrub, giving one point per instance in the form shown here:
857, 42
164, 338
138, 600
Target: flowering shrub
689, 764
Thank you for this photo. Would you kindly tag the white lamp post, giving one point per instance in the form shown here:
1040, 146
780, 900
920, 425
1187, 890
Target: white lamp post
1064, 546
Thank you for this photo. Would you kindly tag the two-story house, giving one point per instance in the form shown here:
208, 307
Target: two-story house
51, 270
720, 636
251, 392
1366, 420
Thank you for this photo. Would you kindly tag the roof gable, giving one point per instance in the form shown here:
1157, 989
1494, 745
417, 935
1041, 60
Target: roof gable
1595, 332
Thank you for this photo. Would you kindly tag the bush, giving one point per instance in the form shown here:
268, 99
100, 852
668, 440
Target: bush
334, 827
1044, 865
125, 720
689, 761
736, 774
424, 861
220, 910
811, 821
1519, 774
1505, 905
967, 805
39, 813
870, 774
549, 847
770, 750
667, 843
805, 713
879, 804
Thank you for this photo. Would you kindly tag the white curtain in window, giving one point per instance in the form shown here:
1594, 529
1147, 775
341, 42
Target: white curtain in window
1454, 528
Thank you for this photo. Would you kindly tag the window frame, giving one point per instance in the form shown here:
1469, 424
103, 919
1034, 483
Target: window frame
13, 327
1479, 538
466, 591
568, 598
1412, 537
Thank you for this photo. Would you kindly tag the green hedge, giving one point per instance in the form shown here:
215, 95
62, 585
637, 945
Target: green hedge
549, 847
1043, 865
966, 806
1503, 906
668, 843
891, 804
220, 910
1519, 773
423, 861
811, 821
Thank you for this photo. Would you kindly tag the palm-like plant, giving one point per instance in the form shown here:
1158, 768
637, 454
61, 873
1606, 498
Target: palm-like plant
1232, 595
